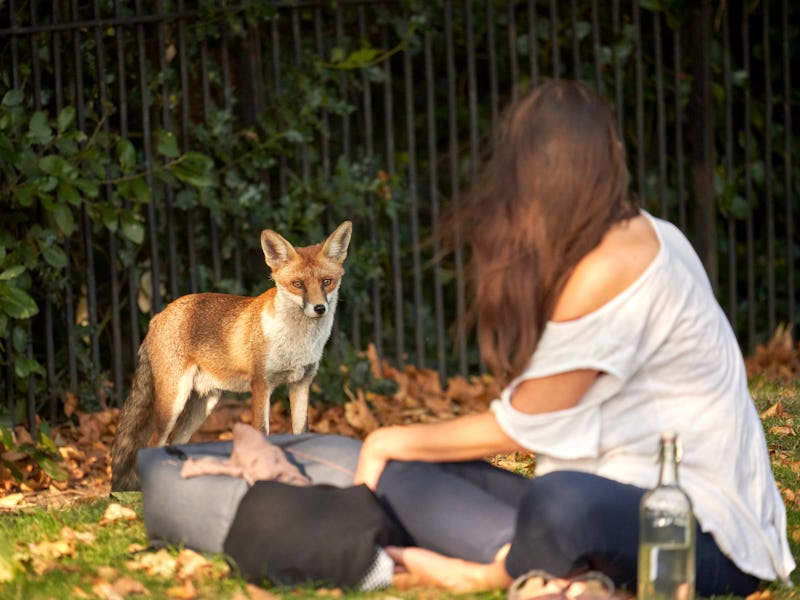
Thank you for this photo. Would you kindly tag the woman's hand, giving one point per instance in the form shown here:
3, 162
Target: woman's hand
370, 462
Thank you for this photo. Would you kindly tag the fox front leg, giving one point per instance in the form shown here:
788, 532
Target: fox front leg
261, 392
298, 401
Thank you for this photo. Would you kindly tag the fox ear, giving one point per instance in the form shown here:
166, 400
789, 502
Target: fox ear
336, 245
277, 251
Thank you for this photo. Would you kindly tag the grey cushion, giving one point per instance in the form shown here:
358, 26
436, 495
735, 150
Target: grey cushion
197, 512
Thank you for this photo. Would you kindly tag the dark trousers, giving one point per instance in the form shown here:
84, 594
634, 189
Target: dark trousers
564, 522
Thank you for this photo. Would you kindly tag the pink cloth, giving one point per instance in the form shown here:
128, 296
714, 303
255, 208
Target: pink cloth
253, 458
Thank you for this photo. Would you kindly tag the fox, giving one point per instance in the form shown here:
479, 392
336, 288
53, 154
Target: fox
201, 345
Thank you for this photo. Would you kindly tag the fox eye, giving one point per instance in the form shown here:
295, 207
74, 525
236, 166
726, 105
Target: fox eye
298, 284
327, 281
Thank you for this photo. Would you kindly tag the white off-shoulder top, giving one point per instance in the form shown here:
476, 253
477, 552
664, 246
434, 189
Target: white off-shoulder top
669, 362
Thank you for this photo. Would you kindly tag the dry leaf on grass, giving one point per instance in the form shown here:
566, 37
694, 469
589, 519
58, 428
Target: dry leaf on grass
116, 512
256, 593
77, 592
358, 413
185, 591
190, 564
781, 430
103, 589
127, 585
86, 537
11, 500
776, 410
156, 564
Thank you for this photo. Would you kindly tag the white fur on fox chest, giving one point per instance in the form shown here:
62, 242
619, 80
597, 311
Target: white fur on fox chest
295, 340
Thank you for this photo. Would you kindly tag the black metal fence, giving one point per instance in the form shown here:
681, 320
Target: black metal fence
406, 96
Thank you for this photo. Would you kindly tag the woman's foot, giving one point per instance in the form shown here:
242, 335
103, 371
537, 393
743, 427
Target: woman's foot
419, 566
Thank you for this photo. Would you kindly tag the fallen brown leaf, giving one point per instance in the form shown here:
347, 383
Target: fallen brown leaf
70, 404
256, 593
776, 410
157, 564
116, 512
781, 430
67, 533
185, 591
127, 585
358, 413
191, 564
11, 500
106, 591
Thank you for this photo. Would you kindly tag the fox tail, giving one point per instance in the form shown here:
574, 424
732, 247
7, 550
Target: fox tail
133, 429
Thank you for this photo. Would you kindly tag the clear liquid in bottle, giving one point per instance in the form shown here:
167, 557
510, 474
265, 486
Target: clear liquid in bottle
666, 569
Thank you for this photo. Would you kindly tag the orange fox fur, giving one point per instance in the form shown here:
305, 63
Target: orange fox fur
203, 344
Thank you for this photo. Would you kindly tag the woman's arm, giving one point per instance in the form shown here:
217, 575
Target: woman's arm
471, 436
462, 438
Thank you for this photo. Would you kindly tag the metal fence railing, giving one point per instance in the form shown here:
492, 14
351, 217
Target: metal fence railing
704, 96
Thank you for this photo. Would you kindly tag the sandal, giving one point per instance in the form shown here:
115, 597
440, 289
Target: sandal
541, 585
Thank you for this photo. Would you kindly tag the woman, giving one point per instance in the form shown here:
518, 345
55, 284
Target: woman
602, 325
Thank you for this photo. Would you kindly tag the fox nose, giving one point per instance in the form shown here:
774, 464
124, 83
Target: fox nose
319, 309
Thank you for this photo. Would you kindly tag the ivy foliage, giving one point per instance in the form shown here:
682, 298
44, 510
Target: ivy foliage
57, 175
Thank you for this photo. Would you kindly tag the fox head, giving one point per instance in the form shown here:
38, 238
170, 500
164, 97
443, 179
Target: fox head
308, 276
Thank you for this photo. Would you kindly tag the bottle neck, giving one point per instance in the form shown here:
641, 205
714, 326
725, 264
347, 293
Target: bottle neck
669, 463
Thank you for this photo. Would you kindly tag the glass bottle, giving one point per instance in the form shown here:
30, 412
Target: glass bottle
666, 534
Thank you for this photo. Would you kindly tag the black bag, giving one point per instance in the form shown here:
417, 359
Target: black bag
298, 535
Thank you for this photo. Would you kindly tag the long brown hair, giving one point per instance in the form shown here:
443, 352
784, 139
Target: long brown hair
555, 182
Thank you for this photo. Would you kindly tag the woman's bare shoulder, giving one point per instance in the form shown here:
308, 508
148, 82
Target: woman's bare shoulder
622, 256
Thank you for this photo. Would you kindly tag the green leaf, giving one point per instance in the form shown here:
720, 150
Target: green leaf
66, 118
739, 208
46, 184
45, 441
186, 199
360, 58
53, 469
62, 216
67, 193
15, 472
19, 339
88, 187
67, 146
12, 273
16, 303
295, 136
337, 54
25, 196
24, 366
126, 154
132, 229
54, 256
108, 215
47, 462
141, 190
55, 165
39, 131
6, 438
167, 144
13, 98
194, 170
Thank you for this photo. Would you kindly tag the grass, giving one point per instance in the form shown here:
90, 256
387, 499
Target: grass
75, 552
